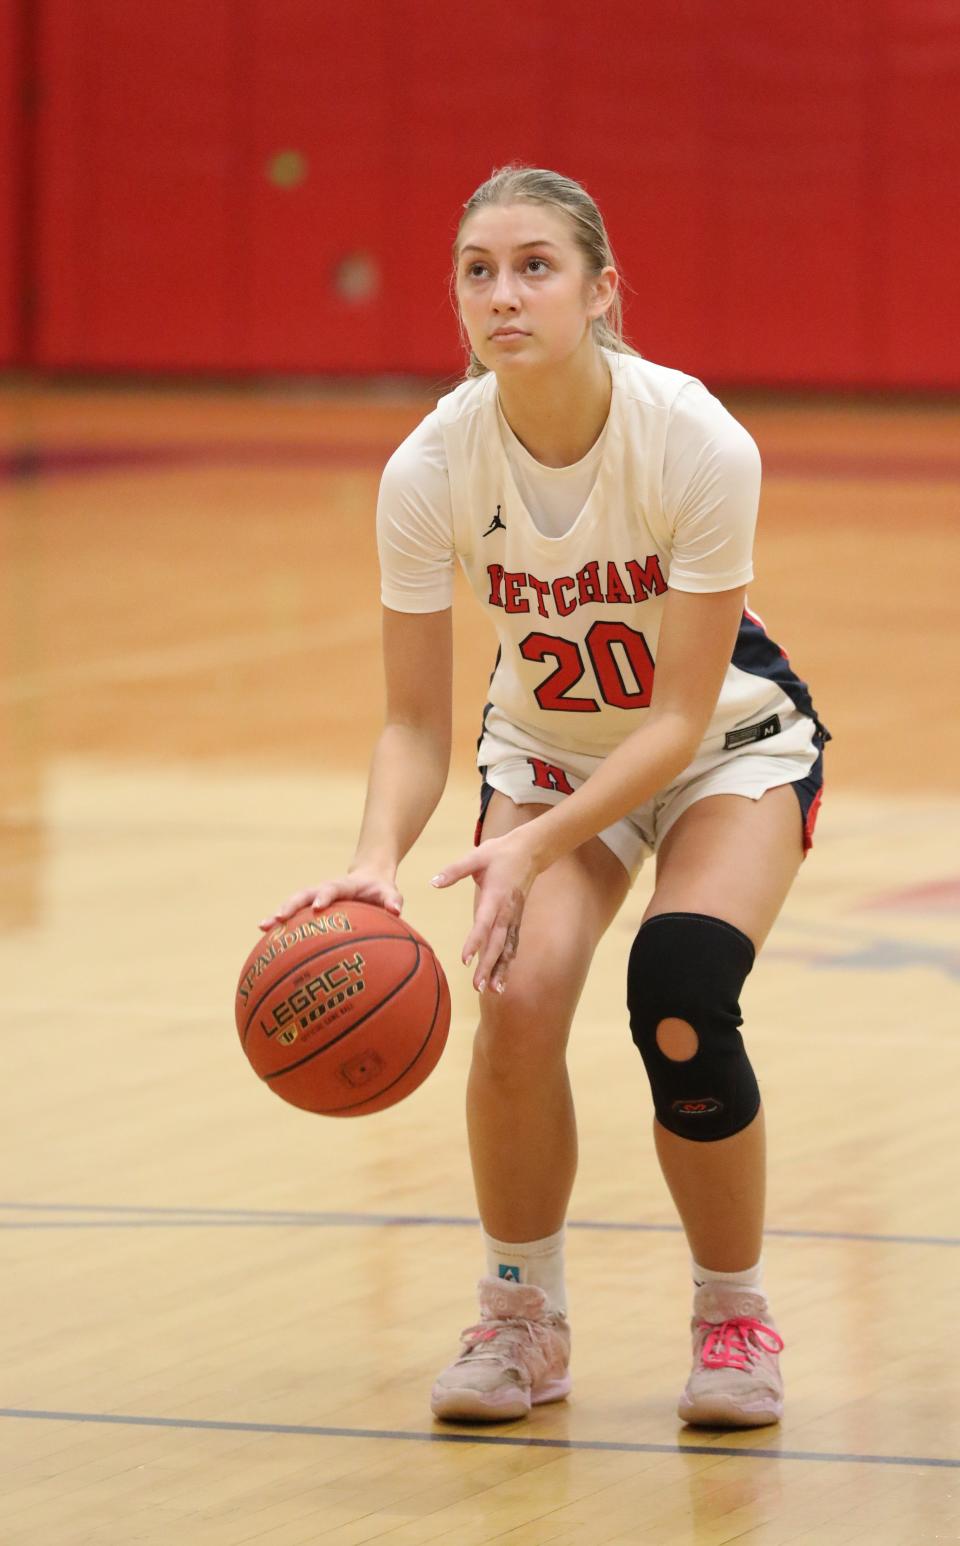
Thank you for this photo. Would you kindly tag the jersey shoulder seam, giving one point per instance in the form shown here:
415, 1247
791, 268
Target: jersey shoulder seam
472, 397
635, 389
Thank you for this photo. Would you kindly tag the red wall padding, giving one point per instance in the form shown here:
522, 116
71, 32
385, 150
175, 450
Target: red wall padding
779, 181
913, 214
12, 112
137, 165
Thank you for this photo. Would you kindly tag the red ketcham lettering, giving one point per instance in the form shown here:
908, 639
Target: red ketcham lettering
542, 588
617, 592
588, 583
647, 581
512, 583
495, 574
563, 606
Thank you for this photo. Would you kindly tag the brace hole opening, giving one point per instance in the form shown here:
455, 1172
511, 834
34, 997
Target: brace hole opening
677, 1039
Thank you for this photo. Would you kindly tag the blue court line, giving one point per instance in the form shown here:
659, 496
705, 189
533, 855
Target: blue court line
304, 1430
22, 462
117, 1216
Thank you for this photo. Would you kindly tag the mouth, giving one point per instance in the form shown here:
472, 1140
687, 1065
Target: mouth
510, 332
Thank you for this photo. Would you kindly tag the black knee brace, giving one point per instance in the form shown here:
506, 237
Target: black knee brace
692, 967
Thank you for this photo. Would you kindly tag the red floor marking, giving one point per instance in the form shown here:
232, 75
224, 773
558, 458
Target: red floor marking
936, 896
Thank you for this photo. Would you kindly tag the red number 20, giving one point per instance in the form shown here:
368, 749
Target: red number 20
553, 694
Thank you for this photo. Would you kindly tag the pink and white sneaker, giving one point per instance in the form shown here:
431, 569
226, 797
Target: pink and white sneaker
516, 1357
736, 1380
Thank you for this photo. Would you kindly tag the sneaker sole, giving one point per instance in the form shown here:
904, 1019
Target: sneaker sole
466, 1405
724, 1412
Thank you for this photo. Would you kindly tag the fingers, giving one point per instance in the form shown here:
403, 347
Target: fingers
497, 980
346, 888
485, 920
292, 905
495, 943
458, 868
494, 938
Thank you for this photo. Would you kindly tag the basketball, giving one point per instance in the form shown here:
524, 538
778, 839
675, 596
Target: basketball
343, 1012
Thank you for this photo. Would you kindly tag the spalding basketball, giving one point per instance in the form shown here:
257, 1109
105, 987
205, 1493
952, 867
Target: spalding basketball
343, 1012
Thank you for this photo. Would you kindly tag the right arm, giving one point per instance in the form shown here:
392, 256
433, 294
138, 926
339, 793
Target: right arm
409, 766
410, 761
412, 755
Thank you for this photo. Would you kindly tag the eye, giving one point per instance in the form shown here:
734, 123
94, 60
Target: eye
538, 265
475, 270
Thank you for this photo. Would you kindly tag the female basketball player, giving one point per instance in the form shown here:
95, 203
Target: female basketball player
603, 509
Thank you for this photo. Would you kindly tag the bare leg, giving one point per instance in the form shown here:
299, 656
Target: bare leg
735, 859
719, 1194
520, 1116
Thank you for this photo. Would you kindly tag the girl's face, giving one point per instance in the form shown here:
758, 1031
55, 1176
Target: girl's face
525, 297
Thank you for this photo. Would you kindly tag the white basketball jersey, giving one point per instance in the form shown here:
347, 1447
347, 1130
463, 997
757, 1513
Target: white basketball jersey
578, 616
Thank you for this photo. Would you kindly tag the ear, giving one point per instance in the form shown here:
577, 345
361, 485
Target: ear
603, 289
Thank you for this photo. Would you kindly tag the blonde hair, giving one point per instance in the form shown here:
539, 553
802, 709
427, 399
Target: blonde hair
536, 185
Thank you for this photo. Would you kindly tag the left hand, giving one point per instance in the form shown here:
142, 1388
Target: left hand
504, 870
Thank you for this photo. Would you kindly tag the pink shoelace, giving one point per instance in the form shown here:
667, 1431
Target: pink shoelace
737, 1343
526, 1341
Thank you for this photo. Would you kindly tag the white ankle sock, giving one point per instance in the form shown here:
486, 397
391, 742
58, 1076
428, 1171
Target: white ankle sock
538, 1262
750, 1277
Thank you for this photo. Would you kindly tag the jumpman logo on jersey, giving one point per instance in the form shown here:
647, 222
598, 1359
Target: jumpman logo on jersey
495, 525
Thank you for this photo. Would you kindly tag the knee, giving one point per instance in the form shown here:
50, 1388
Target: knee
684, 980
523, 1032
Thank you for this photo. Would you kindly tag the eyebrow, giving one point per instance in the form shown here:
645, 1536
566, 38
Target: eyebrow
543, 242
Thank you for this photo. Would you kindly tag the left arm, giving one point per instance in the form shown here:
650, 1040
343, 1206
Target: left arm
697, 637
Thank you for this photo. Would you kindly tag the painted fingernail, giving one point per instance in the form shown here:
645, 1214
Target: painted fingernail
437, 880
481, 984
501, 986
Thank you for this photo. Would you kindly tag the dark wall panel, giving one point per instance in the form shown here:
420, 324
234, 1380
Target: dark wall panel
456, 98
11, 191
631, 129
312, 185
136, 150
913, 214
783, 133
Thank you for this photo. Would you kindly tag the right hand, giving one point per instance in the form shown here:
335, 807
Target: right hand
360, 885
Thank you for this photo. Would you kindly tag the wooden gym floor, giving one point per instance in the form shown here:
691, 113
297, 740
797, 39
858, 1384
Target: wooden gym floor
222, 1316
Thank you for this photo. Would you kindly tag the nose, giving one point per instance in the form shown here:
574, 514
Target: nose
504, 297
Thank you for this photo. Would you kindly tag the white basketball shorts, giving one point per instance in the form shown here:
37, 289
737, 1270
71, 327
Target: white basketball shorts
783, 748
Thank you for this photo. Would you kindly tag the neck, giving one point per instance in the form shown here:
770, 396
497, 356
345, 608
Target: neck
559, 414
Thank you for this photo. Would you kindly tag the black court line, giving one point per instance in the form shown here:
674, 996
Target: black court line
508, 1441
118, 1216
